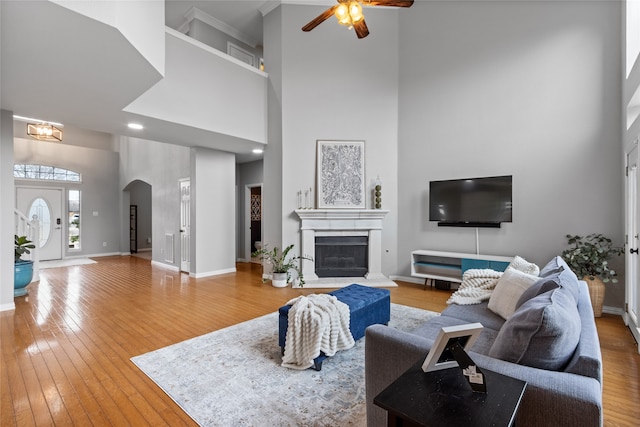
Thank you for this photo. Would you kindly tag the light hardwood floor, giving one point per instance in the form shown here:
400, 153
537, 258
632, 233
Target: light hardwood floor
65, 350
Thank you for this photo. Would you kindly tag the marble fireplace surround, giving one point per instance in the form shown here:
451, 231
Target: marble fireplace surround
343, 222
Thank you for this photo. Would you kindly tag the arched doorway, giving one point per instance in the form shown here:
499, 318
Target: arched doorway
139, 218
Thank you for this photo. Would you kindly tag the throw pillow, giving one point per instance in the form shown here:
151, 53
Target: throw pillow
523, 265
561, 273
544, 284
508, 290
555, 265
543, 333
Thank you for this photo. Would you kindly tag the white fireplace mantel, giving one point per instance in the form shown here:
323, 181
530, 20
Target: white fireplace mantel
342, 222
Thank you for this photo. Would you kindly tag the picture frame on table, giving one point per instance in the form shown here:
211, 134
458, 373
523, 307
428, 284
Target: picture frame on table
440, 355
340, 178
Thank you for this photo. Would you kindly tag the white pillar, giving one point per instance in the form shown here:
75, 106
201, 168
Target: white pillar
375, 255
309, 249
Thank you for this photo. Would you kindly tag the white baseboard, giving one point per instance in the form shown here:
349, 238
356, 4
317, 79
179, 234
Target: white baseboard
409, 279
212, 273
93, 255
8, 307
166, 266
613, 310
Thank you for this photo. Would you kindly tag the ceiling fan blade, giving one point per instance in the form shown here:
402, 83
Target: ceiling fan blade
320, 18
393, 3
361, 29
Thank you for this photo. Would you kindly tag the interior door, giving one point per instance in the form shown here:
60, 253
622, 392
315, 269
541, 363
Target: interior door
133, 229
46, 203
253, 218
185, 225
632, 294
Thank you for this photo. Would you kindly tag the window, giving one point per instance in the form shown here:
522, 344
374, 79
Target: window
46, 173
74, 219
42, 210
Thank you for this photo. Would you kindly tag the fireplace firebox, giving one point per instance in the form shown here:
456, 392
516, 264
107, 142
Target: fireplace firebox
341, 256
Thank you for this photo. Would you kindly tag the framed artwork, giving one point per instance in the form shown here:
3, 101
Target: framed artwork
440, 355
341, 174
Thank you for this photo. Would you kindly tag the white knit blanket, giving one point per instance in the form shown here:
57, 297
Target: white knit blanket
316, 323
476, 286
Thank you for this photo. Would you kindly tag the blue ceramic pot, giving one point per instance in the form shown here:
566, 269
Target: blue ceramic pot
22, 275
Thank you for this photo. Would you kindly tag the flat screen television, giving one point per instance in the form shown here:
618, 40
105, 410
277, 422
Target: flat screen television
471, 202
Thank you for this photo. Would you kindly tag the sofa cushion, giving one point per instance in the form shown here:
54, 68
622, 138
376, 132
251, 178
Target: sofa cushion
542, 285
543, 333
508, 290
555, 265
431, 329
555, 274
475, 313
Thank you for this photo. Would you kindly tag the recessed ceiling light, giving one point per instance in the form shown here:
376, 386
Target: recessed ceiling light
257, 151
136, 126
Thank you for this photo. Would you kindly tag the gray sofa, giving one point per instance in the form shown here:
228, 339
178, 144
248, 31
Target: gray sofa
550, 341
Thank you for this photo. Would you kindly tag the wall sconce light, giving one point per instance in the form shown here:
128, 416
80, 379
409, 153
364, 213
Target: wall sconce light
44, 132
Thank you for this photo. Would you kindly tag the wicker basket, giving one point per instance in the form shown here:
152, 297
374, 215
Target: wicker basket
596, 293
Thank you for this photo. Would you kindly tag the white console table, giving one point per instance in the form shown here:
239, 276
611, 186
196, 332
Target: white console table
450, 266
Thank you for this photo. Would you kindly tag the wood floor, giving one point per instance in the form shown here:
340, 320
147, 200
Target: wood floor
65, 350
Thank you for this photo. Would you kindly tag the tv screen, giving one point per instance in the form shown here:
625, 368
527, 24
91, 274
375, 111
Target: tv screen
472, 202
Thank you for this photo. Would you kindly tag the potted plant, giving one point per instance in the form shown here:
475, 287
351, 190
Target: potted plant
281, 266
589, 258
22, 269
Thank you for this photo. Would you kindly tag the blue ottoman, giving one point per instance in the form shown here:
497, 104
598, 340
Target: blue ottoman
367, 306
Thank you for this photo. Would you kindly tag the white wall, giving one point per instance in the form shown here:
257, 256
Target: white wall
205, 89
249, 173
529, 89
213, 212
141, 22
140, 196
7, 198
99, 188
272, 160
162, 166
333, 87
218, 39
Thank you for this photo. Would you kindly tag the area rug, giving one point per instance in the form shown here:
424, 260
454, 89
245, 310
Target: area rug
67, 262
233, 377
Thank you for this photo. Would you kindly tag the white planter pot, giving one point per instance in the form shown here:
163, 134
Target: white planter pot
279, 280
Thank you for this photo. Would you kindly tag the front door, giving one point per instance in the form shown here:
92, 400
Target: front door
46, 203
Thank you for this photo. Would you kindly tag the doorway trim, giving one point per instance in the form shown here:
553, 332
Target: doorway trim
185, 225
632, 241
247, 220
63, 226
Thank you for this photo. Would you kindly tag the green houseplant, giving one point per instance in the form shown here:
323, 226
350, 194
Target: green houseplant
589, 258
281, 266
22, 269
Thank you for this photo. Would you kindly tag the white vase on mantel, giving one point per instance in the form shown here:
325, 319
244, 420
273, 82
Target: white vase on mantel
279, 280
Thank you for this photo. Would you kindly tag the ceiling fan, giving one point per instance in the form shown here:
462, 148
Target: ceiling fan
349, 13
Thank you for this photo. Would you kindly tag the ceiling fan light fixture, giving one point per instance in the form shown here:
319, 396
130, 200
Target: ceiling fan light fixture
342, 14
355, 11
